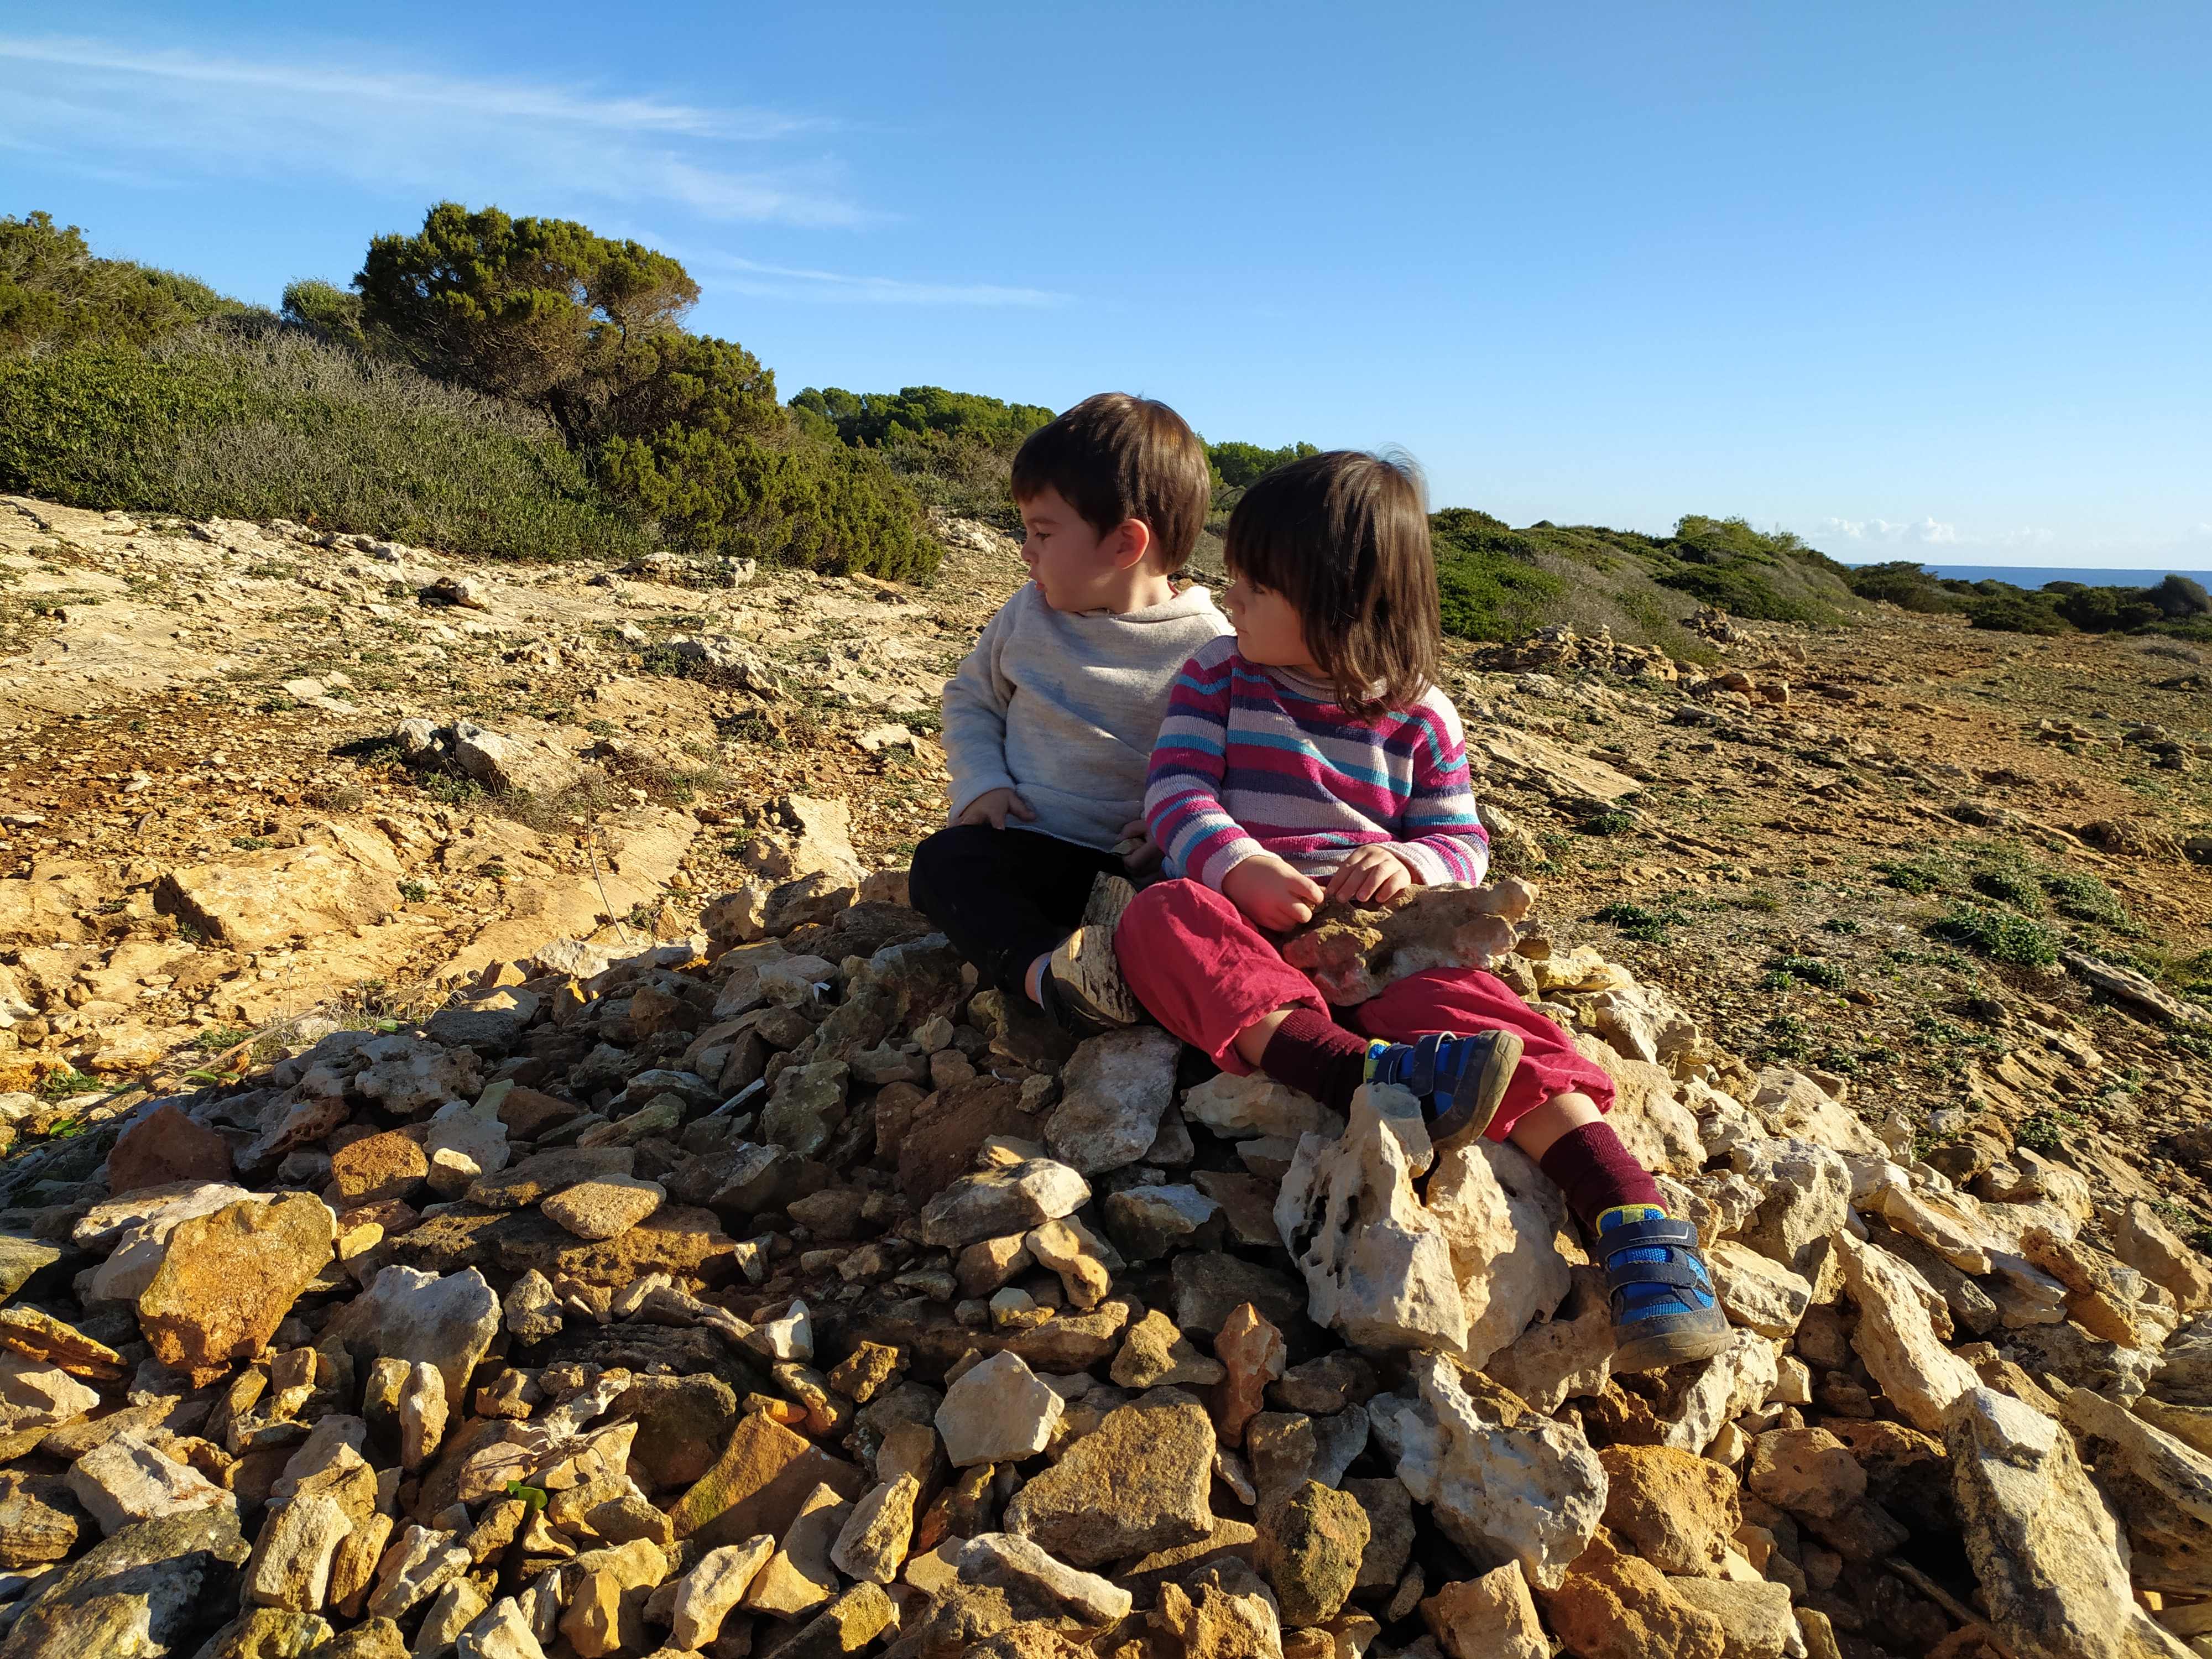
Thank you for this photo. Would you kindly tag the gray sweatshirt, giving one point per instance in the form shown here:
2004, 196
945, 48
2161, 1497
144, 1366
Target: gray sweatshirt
1062, 708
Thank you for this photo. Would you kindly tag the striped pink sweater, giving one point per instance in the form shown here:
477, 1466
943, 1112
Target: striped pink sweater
1253, 759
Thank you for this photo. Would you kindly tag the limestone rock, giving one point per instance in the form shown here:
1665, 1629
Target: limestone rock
605, 1206
996, 1203
164, 1146
758, 1484
34, 1395
1808, 1192
1148, 1223
423, 1562
1377, 1267
1703, 1396
997, 1413
2146, 1243
1610, 1605
228, 1279
1352, 951
1500, 1216
543, 1174
1498, 1477
123, 1481
1756, 1617
846, 1626
1679, 1511
1038, 1585
807, 1107
1896, 1338
2050, 1556
2093, 1299
801, 1575
1493, 1617
1085, 1263
1310, 1553
419, 1317
34, 1528
1219, 1623
1756, 1291
1251, 1354
1112, 1095
874, 1541
1806, 1470
144, 1590
1569, 1354
1139, 1483
707, 1593
1155, 1354
2161, 1486
1244, 1108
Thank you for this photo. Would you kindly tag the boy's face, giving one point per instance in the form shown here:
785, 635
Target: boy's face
1074, 567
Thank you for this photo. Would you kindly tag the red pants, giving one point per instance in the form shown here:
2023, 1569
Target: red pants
1207, 973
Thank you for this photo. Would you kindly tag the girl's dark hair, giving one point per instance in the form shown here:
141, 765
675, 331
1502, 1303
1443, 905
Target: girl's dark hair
1343, 538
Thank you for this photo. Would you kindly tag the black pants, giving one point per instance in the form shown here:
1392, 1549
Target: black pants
1004, 896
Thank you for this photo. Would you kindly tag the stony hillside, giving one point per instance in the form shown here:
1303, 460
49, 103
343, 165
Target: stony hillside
496, 1168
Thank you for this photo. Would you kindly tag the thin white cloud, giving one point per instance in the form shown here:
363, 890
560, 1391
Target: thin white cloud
178, 116
1931, 531
782, 282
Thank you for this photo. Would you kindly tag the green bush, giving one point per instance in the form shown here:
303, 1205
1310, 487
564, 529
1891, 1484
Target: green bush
2018, 613
918, 412
2011, 887
54, 294
1999, 935
1235, 465
268, 421
1486, 588
1828, 975
809, 503
2085, 898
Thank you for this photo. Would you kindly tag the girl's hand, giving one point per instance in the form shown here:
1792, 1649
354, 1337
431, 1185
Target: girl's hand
1373, 872
1145, 857
1271, 892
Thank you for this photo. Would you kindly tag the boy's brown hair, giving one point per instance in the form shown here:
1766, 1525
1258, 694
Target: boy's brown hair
1343, 538
1113, 457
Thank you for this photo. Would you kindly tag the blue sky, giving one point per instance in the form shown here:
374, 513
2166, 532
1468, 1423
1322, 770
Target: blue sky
1914, 281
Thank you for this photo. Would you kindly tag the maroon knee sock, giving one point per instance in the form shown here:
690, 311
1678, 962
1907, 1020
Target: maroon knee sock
1314, 1054
1596, 1172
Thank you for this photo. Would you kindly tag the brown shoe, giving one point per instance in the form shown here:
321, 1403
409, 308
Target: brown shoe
1086, 993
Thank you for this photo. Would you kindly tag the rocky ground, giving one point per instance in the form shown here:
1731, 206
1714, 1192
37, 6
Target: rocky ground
495, 1167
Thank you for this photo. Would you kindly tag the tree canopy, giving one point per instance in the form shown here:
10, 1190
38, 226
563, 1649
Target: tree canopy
56, 293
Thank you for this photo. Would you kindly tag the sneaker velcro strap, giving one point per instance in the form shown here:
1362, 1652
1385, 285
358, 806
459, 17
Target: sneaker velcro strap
1422, 1078
1660, 1231
1680, 1274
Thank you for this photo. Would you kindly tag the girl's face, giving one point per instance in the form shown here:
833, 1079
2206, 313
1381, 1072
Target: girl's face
1266, 624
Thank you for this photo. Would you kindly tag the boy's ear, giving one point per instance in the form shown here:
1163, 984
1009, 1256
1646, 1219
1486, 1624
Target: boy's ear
1132, 540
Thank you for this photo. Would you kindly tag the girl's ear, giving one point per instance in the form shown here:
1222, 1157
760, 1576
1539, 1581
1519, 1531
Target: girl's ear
1132, 540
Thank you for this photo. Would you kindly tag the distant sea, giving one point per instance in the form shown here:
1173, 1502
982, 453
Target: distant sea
2035, 575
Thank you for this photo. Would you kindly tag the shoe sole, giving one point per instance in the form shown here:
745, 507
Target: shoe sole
1506, 1050
1089, 978
1657, 1353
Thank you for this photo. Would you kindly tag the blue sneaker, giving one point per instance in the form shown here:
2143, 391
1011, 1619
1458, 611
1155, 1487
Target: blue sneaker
1460, 1079
1664, 1311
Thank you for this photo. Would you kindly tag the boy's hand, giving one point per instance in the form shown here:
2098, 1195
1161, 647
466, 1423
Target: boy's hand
1271, 892
992, 807
1145, 857
1373, 872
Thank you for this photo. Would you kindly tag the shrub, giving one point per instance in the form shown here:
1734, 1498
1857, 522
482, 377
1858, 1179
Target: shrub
1636, 922
1913, 878
1486, 588
2085, 898
807, 502
2010, 887
2017, 613
1828, 975
54, 294
2000, 935
271, 422
1235, 465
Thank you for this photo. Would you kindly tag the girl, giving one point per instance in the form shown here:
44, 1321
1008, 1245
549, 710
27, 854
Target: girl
1311, 756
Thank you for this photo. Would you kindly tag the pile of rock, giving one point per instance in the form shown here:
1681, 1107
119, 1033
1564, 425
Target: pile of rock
1559, 648
803, 1298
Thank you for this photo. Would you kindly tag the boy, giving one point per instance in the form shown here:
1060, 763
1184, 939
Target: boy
1049, 723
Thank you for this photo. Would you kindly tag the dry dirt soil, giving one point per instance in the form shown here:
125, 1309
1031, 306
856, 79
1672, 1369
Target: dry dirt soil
1814, 839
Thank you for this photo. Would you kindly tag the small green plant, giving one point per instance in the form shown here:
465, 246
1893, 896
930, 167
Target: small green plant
59, 1084
1609, 824
1997, 934
413, 892
214, 1041
2084, 898
601, 728
1828, 975
1636, 922
251, 843
2010, 887
1839, 924
1913, 878
452, 791
1786, 1037
1758, 899
137, 725
2047, 1130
